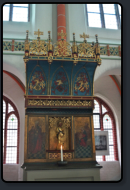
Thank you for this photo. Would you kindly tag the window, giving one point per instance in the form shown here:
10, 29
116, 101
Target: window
119, 8
16, 12
104, 15
10, 133
107, 123
94, 19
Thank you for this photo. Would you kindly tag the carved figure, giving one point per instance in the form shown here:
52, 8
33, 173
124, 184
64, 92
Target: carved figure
60, 135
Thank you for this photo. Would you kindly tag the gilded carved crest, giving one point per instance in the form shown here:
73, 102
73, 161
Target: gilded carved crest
53, 121
38, 47
62, 48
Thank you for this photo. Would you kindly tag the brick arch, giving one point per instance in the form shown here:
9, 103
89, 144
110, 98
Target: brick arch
111, 115
7, 115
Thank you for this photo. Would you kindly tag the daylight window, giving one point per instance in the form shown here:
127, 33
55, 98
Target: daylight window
104, 15
119, 8
94, 19
16, 12
110, 16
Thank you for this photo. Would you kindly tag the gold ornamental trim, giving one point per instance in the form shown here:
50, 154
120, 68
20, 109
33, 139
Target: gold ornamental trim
38, 33
61, 49
58, 155
63, 103
65, 120
38, 47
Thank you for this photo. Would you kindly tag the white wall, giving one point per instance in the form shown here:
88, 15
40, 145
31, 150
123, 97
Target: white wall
77, 22
15, 65
108, 67
110, 171
43, 19
10, 172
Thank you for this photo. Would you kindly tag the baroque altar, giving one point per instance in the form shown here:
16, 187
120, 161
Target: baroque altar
59, 105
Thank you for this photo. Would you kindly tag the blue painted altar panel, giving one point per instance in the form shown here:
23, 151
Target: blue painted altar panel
60, 78
82, 86
36, 79
91, 67
60, 83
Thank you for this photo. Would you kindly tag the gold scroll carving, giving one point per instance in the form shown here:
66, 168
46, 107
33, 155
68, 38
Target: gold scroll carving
75, 103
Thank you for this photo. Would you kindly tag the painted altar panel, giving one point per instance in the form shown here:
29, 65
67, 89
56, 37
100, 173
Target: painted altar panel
66, 65
91, 68
60, 78
82, 85
60, 84
83, 137
36, 138
37, 83
88, 68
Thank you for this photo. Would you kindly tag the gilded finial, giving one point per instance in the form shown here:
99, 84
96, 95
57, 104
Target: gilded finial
27, 31
96, 38
62, 35
50, 47
74, 46
38, 33
92, 44
84, 36
74, 37
49, 35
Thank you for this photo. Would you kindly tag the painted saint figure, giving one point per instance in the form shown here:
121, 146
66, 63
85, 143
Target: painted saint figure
35, 139
83, 136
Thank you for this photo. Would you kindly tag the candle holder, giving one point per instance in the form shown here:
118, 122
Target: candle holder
62, 163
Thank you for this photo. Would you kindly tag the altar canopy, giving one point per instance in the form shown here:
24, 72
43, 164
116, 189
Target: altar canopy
59, 100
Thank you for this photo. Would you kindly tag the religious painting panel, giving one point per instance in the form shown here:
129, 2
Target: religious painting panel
82, 86
59, 133
60, 83
83, 137
36, 138
37, 84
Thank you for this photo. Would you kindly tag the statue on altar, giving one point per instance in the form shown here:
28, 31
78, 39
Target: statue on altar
60, 135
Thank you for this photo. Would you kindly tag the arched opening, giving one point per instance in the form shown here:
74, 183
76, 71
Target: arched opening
104, 120
11, 126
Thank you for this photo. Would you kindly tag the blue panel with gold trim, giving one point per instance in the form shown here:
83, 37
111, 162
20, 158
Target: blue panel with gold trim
60, 78
60, 82
37, 82
82, 85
